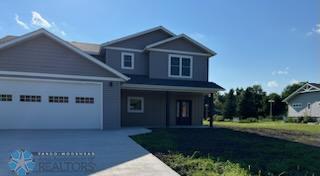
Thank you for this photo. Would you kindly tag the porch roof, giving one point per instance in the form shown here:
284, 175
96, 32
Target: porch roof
145, 80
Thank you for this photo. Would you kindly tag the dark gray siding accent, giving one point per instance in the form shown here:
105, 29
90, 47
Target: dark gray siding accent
140, 42
181, 44
141, 62
155, 108
158, 66
154, 114
44, 55
111, 105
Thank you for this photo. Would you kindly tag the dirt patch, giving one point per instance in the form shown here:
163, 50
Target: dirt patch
302, 137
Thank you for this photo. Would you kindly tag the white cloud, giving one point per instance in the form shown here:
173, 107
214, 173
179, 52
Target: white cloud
272, 84
315, 30
38, 20
294, 81
21, 23
281, 72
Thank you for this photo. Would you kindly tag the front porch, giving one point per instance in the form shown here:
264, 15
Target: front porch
161, 108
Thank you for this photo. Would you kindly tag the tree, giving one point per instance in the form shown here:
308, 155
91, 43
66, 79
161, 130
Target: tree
247, 105
229, 108
290, 89
259, 97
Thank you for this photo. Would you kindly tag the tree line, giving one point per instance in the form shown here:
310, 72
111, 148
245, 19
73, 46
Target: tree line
252, 101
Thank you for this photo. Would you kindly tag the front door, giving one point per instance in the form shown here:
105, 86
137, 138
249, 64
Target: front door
183, 112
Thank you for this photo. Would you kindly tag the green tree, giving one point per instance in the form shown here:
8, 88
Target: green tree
290, 89
247, 105
259, 97
229, 108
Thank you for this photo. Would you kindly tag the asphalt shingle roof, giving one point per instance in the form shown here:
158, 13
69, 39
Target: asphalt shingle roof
139, 79
315, 84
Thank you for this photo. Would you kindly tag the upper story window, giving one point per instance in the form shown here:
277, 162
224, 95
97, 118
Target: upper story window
127, 60
180, 66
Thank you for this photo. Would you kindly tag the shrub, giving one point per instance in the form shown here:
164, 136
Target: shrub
308, 119
218, 118
297, 119
249, 120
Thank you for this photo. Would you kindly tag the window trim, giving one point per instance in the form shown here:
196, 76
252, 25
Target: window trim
180, 66
135, 111
122, 60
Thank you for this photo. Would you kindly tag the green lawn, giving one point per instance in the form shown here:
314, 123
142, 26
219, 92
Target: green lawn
222, 151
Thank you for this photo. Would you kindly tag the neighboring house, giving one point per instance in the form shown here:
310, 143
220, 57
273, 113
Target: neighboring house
305, 101
153, 78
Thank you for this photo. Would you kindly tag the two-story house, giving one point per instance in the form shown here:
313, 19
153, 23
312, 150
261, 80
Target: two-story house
153, 78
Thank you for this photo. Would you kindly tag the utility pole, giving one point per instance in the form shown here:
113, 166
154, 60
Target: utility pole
271, 101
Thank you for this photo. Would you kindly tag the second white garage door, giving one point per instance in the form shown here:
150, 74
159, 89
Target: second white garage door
50, 104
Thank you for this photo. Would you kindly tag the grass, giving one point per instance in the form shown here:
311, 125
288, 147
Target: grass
222, 151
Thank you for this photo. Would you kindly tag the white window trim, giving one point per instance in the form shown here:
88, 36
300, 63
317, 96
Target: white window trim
122, 60
136, 111
180, 66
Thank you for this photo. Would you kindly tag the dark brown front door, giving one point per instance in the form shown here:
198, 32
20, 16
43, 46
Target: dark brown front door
183, 112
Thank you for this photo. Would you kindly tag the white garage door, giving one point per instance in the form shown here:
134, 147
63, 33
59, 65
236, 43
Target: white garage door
47, 104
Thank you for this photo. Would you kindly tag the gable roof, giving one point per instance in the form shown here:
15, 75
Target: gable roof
184, 36
138, 34
7, 39
90, 48
308, 87
42, 31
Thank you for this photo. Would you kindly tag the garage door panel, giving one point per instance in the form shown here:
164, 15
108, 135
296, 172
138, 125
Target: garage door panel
48, 115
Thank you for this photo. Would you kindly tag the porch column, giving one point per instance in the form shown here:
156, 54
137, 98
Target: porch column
167, 109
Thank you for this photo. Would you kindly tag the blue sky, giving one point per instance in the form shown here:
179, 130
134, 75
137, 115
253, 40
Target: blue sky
267, 42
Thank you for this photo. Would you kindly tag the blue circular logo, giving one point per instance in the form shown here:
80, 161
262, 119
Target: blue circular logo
21, 162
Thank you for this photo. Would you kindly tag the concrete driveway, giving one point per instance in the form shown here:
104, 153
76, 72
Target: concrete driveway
101, 153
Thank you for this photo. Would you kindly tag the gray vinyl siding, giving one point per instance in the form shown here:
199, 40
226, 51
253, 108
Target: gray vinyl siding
141, 62
154, 114
181, 44
158, 66
44, 55
311, 97
111, 105
141, 41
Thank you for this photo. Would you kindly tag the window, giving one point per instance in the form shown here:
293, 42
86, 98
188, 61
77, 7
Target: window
136, 104
127, 60
309, 105
5, 97
58, 99
180, 66
297, 105
30, 98
85, 100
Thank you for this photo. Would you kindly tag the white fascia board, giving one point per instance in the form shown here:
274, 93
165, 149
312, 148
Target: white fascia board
297, 91
48, 75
